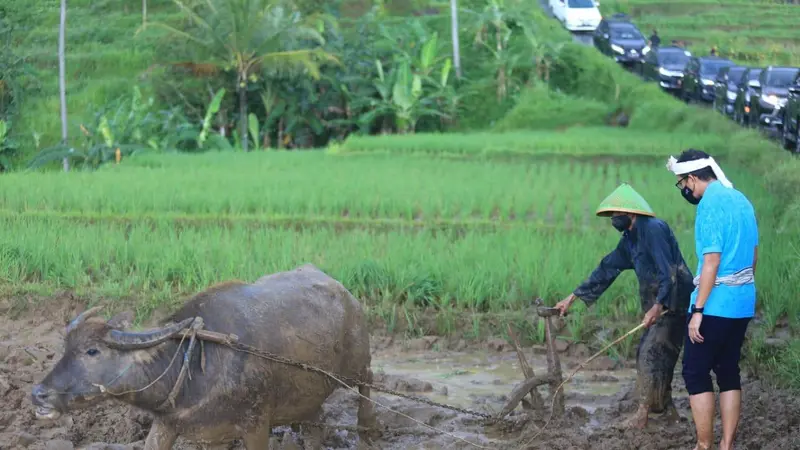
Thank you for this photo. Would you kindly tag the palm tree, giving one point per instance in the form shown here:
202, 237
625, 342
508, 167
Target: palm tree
252, 37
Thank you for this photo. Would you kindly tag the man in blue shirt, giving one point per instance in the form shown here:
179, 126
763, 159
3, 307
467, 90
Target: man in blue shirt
723, 302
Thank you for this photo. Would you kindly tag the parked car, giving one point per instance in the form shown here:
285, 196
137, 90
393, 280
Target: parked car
665, 65
769, 96
617, 37
791, 118
741, 106
577, 15
726, 87
699, 76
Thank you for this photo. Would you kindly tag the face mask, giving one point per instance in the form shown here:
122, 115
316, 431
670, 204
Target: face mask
621, 223
687, 194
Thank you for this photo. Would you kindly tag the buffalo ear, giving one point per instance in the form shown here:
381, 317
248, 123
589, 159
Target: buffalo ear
121, 320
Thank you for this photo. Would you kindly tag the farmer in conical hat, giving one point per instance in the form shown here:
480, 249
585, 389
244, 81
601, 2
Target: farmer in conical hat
649, 247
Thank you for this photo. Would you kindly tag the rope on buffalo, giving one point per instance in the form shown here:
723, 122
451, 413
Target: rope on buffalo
104, 387
571, 375
232, 341
262, 354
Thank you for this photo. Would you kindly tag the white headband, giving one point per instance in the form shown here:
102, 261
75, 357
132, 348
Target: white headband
682, 168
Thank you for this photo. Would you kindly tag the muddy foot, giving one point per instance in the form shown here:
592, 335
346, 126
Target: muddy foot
671, 415
704, 447
637, 421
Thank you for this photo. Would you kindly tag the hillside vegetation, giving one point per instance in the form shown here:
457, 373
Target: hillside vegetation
445, 204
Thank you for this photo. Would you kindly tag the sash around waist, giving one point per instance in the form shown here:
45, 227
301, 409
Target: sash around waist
740, 278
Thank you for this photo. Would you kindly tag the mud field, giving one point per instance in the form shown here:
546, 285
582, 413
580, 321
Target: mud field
474, 377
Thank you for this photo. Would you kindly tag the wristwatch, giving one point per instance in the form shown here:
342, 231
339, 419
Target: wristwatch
695, 309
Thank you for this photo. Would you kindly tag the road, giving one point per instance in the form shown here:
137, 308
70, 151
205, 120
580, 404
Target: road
586, 39
578, 36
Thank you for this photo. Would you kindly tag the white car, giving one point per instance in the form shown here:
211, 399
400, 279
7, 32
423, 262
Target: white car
577, 15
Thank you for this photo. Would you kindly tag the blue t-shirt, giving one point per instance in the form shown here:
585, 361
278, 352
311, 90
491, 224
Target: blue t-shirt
726, 224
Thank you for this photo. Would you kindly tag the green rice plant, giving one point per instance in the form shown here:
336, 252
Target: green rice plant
591, 142
275, 186
470, 271
452, 271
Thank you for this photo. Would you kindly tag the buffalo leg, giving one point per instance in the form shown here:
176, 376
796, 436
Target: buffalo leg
366, 412
313, 436
161, 437
258, 439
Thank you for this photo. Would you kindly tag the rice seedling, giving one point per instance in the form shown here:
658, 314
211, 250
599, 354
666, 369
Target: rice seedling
576, 142
264, 187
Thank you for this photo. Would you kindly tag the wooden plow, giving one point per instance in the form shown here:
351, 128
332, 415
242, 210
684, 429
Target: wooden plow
553, 378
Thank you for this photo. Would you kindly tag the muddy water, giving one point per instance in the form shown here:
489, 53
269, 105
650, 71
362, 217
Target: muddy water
459, 378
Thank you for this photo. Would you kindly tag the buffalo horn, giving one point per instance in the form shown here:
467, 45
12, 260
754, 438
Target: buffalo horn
81, 318
131, 340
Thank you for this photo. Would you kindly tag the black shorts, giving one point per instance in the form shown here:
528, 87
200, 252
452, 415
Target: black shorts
720, 351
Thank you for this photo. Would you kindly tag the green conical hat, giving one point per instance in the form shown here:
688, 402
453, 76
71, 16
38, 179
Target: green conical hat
624, 199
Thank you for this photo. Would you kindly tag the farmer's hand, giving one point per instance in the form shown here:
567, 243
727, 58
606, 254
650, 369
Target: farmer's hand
694, 328
564, 305
651, 315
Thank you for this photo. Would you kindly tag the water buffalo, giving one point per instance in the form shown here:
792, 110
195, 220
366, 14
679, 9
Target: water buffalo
302, 314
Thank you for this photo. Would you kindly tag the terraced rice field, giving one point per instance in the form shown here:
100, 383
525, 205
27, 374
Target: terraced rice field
467, 230
749, 32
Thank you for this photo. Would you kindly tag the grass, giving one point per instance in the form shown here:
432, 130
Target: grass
757, 33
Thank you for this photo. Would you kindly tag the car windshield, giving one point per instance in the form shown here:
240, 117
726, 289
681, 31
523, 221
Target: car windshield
781, 78
735, 73
753, 75
712, 67
625, 32
675, 57
581, 3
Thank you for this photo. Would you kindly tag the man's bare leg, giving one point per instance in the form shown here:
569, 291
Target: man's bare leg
730, 403
703, 414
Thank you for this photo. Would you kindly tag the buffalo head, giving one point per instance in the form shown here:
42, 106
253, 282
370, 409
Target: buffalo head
99, 360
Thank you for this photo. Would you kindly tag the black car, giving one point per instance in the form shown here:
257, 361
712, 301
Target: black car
665, 65
741, 106
769, 95
617, 37
726, 87
699, 76
791, 118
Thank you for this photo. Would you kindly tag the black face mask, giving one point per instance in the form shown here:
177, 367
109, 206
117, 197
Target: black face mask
621, 223
688, 195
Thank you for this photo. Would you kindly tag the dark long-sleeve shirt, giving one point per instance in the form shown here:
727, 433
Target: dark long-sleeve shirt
652, 251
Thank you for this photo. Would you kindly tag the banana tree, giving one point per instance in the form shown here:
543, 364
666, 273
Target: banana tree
494, 34
247, 36
402, 98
